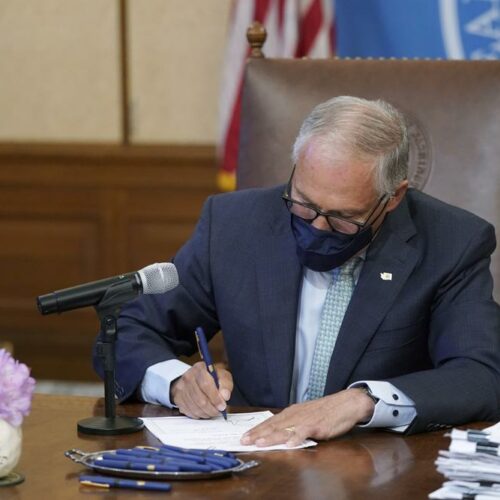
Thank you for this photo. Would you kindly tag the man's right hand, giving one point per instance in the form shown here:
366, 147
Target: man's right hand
196, 395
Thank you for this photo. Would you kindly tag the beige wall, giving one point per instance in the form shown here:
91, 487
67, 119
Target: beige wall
175, 62
59, 78
60, 74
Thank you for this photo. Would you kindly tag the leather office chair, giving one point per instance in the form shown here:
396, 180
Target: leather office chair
452, 107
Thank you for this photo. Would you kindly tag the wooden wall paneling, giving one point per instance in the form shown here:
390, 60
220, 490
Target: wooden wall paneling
113, 226
71, 214
159, 222
50, 239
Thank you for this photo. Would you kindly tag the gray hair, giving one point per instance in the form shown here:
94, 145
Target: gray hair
368, 129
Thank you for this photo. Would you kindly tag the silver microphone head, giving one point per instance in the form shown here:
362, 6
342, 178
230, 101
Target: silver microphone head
158, 278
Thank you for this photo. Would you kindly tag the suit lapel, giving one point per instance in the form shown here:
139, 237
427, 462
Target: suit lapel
278, 277
373, 295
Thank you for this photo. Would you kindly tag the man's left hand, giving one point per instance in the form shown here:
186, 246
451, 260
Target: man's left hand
320, 419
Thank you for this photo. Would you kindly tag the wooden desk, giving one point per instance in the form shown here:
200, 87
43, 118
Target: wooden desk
375, 465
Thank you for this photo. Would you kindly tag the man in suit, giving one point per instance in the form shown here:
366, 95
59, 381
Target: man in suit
344, 297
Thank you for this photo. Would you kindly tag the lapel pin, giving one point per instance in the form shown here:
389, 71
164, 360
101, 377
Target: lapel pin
386, 276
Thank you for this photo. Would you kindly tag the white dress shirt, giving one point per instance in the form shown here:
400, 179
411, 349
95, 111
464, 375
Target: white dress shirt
394, 410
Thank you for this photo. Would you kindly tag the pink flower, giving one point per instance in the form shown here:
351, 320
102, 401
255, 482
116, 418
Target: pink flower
16, 389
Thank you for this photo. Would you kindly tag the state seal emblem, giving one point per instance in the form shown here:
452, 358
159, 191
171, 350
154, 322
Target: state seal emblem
471, 28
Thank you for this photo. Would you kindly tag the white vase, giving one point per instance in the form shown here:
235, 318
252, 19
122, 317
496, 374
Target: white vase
11, 439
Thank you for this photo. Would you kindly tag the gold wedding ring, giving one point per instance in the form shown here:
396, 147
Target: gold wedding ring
290, 429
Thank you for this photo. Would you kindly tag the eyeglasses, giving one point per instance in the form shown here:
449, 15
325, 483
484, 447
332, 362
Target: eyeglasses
310, 213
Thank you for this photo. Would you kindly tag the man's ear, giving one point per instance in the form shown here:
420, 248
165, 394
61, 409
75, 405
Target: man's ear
398, 195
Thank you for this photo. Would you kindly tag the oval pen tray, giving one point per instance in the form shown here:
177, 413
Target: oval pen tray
91, 460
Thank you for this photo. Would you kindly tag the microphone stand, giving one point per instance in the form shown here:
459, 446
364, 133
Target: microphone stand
108, 310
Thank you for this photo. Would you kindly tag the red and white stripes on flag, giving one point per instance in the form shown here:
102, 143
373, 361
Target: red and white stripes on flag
295, 28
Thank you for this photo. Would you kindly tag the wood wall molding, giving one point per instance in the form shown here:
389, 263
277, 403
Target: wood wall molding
166, 166
72, 213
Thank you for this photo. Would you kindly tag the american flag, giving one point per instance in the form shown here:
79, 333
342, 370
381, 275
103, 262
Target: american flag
295, 28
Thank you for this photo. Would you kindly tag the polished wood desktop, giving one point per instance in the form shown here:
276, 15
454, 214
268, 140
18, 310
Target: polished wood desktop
364, 464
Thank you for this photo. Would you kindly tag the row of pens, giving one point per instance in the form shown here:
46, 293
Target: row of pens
162, 459
167, 459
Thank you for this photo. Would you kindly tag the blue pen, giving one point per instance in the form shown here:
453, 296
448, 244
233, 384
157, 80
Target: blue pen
171, 454
128, 458
196, 451
218, 461
205, 356
165, 454
120, 464
111, 482
173, 462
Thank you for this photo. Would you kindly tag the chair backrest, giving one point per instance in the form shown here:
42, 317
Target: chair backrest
453, 110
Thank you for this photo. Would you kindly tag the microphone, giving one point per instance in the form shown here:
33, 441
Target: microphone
155, 278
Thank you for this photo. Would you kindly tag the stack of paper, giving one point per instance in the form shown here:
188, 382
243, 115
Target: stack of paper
471, 465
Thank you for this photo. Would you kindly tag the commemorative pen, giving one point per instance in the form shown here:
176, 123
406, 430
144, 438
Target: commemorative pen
195, 451
218, 459
111, 482
207, 358
198, 452
223, 462
131, 465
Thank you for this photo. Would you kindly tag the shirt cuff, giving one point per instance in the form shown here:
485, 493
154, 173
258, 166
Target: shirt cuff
394, 410
155, 386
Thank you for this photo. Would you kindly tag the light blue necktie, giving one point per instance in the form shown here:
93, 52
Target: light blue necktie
337, 299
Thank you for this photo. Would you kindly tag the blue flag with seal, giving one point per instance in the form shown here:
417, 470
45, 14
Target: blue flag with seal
446, 29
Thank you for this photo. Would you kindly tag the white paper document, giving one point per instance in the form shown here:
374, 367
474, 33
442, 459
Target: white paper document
493, 429
215, 433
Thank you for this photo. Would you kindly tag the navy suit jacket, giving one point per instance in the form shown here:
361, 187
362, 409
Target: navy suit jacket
433, 330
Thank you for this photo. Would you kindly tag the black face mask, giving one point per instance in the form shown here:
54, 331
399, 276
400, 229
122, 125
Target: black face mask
325, 250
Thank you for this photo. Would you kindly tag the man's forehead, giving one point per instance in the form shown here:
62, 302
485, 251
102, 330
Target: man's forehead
335, 181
